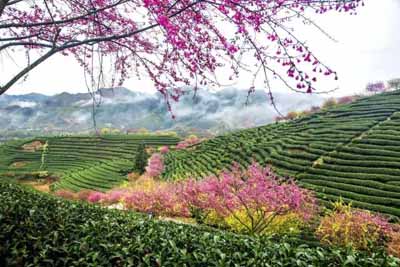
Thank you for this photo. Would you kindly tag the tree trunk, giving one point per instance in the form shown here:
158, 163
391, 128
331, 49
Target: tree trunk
3, 4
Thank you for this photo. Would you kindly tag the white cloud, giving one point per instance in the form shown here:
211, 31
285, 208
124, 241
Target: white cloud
23, 104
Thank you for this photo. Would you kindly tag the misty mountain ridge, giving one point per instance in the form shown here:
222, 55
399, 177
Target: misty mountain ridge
124, 109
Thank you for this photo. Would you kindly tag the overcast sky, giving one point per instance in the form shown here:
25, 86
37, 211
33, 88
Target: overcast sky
368, 49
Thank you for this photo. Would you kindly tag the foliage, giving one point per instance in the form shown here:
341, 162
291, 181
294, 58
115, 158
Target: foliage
141, 158
40, 230
394, 243
114, 196
155, 165
292, 115
177, 32
84, 194
375, 87
353, 228
346, 99
314, 109
133, 176
254, 201
251, 199
394, 83
285, 224
164, 149
161, 201
65, 194
95, 197
190, 141
329, 103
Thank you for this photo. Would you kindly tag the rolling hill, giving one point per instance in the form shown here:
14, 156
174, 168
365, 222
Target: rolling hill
81, 162
350, 151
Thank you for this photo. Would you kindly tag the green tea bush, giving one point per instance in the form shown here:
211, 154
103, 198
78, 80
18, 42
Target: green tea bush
141, 158
41, 230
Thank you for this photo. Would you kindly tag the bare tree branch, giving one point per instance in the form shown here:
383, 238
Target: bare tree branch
26, 70
3, 4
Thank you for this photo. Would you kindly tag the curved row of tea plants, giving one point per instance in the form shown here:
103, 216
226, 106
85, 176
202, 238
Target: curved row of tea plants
81, 162
351, 150
42, 230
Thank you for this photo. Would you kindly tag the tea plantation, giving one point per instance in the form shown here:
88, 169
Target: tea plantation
41, 230
81, 162
350, 151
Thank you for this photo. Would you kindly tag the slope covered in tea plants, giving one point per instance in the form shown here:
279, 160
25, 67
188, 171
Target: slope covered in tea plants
81, 162
350, 151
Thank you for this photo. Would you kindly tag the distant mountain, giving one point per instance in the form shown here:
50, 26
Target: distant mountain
121, 108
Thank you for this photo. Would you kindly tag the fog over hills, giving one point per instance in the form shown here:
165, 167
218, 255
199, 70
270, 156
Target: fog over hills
124, 109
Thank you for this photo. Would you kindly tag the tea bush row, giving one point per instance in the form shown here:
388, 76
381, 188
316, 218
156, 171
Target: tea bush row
41, 230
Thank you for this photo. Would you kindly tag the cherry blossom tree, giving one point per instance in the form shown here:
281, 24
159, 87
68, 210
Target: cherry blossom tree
175, 43
155, 165
376, 87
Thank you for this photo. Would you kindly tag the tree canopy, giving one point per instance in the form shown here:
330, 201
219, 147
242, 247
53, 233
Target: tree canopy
173, 42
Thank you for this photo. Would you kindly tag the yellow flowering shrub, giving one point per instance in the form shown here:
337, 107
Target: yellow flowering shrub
358, 229
265, 224
213, 218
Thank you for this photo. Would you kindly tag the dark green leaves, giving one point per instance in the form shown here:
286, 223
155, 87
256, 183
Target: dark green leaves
64, 233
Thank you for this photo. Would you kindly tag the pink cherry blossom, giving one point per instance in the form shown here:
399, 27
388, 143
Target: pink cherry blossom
173, 43
155, 165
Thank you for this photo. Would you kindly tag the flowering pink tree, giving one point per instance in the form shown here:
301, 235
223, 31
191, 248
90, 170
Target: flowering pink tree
95, 197
173, 42
253, 198
190, 141
346, 99
376, 87
155, 165
164, 149
161, 200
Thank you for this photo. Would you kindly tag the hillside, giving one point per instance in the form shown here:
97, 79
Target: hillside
80, 162
350, 151
212, 112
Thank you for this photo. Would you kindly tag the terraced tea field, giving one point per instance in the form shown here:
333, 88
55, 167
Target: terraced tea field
81, 162
350, 151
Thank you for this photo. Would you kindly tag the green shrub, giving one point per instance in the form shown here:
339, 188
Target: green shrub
141, 159
40, 230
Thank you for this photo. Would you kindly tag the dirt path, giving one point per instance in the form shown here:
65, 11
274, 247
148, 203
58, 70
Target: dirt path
43, 187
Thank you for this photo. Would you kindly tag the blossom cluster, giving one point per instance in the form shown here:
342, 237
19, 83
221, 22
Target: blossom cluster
376, 87
164, 149
174, 42
190, 141
155, 165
